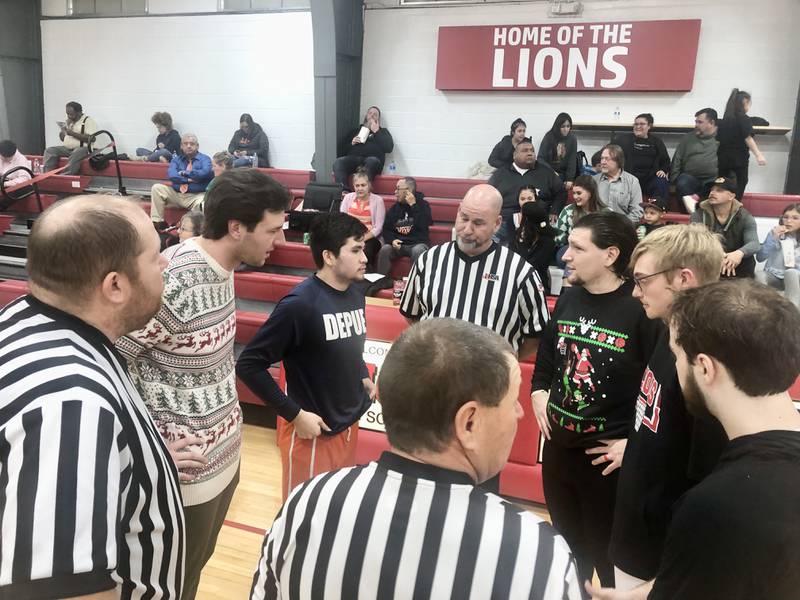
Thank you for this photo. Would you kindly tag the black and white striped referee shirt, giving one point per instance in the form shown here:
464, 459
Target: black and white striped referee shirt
401, 529
89, 496
497, 289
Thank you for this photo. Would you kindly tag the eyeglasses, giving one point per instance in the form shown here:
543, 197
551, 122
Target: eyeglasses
790, 218
639, 280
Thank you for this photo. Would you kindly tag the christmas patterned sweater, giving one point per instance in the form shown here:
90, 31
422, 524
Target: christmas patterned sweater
591, 359
182, 363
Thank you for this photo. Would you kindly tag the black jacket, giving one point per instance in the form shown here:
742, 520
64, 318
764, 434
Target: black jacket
568, 163
254, 143
502, 154
644, 157
378, 144
539, 255
171, 141
550, 188
418, 217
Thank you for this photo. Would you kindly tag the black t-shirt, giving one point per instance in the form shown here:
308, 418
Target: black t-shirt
731, 135
591, 358
735, 535
643, 156
654, 471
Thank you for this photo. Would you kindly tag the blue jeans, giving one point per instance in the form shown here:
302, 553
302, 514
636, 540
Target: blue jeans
686, 185
245, 161
505, 234
654, 187
344, 166
154, 155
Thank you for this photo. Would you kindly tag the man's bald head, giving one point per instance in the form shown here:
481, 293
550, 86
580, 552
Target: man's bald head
75, 243
484, 198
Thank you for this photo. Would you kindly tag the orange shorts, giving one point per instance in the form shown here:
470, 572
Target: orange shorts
303, 459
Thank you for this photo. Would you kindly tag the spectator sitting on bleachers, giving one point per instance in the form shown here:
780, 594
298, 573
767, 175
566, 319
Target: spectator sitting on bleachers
534, 240
526, 170
618, 190
190, 173
723, 214
503, 152
220, 162
191, 225
559, 149
367, 208
527, 193
405, 229
695, 160
586, 200
249, 144
11, 158
75, 133
366, 146
449, 392
646, 157
653, 217
781, 250
168, 141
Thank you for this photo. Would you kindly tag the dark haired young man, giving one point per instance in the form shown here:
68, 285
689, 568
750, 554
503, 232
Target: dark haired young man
318, 331
734, 535
182, 361
588, 369
413, 524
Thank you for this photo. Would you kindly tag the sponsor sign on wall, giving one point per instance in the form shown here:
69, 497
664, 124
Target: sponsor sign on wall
374, 353
611, 56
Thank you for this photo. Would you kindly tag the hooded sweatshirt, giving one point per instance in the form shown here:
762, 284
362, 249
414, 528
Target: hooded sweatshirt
739, 232
256, 142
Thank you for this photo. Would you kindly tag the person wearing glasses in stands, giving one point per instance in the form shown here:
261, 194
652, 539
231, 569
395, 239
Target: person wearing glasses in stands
646, 157
589, 366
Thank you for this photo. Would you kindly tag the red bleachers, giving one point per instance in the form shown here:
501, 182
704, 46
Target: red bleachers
5, 223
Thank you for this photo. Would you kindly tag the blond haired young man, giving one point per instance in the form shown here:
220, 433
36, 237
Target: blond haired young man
667, 451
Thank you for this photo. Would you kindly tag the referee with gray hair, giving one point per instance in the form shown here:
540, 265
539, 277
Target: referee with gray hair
413, 524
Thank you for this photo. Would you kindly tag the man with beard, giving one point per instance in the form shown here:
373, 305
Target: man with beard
182, 360
77, 447
588, 369
318, 331
477, 280
734, 535
656, 468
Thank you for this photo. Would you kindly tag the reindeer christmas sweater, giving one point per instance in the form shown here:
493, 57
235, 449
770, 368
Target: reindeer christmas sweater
183, 366
591, 359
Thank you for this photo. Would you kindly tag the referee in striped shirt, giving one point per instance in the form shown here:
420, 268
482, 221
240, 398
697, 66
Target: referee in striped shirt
89, 499
478, 280
414, 524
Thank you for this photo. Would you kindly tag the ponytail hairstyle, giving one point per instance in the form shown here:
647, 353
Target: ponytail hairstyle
735, 105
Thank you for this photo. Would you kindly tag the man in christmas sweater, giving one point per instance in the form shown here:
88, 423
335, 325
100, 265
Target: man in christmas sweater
588, 368
182, 362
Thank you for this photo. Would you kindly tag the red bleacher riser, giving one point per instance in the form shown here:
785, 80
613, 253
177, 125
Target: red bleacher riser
436, 187
264, 287
292, 254
768, 205
400, 267
11, 289
440, 234
65, 184
5, 223
677, 218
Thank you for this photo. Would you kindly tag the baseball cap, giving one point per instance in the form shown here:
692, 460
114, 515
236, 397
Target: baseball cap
657, 203
726, 183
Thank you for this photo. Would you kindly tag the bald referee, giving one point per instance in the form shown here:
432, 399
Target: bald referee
412, 524
477, 280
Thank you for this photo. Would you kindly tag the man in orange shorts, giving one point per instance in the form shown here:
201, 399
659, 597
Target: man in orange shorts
318, 331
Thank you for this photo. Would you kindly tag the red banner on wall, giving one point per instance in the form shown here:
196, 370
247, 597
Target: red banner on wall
620, 56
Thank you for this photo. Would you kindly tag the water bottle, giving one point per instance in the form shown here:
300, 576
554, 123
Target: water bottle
392, 168
616, 113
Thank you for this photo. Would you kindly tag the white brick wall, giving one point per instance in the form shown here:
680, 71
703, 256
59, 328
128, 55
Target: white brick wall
745, 44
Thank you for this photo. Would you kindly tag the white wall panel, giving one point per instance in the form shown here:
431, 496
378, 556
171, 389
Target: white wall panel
742, 44
204, 70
